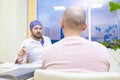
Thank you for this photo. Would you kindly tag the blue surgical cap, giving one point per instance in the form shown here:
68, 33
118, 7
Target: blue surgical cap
34, 23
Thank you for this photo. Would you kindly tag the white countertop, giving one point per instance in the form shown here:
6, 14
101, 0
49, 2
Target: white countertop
18, 71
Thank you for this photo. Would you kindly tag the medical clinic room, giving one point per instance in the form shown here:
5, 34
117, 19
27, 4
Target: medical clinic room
59, 39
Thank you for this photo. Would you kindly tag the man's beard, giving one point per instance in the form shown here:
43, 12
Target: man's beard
37, 37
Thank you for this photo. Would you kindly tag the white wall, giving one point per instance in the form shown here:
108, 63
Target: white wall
13, 27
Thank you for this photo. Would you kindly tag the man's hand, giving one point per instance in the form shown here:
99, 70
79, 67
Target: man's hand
21, 54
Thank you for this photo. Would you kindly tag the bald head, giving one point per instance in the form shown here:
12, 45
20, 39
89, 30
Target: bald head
74, 18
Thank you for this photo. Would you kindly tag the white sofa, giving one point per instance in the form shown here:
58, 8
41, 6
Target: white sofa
41, 74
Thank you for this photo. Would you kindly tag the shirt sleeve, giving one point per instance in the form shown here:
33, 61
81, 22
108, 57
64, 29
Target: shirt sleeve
47, 41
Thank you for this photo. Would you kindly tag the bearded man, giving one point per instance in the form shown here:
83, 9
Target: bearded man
32, 48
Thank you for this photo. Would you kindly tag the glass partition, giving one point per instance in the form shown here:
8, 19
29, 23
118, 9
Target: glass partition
102, 24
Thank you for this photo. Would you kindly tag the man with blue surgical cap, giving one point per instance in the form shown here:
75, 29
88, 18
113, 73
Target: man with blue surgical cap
32, 48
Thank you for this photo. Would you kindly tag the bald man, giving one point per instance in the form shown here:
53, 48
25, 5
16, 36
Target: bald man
74, 53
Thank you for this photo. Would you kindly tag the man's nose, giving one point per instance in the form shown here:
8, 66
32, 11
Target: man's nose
38, 30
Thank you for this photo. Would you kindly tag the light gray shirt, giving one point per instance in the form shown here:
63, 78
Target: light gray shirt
35, 49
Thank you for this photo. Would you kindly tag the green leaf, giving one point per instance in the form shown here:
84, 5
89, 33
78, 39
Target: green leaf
105, 44
114, 6
111, 4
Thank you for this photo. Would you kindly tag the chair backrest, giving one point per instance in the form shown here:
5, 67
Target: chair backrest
40, 74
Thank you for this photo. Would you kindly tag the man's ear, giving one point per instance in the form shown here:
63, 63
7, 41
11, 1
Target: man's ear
84, 27
62, 23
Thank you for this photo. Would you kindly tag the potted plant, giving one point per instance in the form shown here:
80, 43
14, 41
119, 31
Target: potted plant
114, 50
114, 46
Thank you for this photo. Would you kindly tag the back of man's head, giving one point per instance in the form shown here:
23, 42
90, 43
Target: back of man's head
74, 18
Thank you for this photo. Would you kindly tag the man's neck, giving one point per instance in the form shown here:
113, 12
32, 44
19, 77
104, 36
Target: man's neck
37, 39
69, 34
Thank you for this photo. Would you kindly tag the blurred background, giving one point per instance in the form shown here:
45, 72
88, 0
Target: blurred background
102, 24
15, 16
